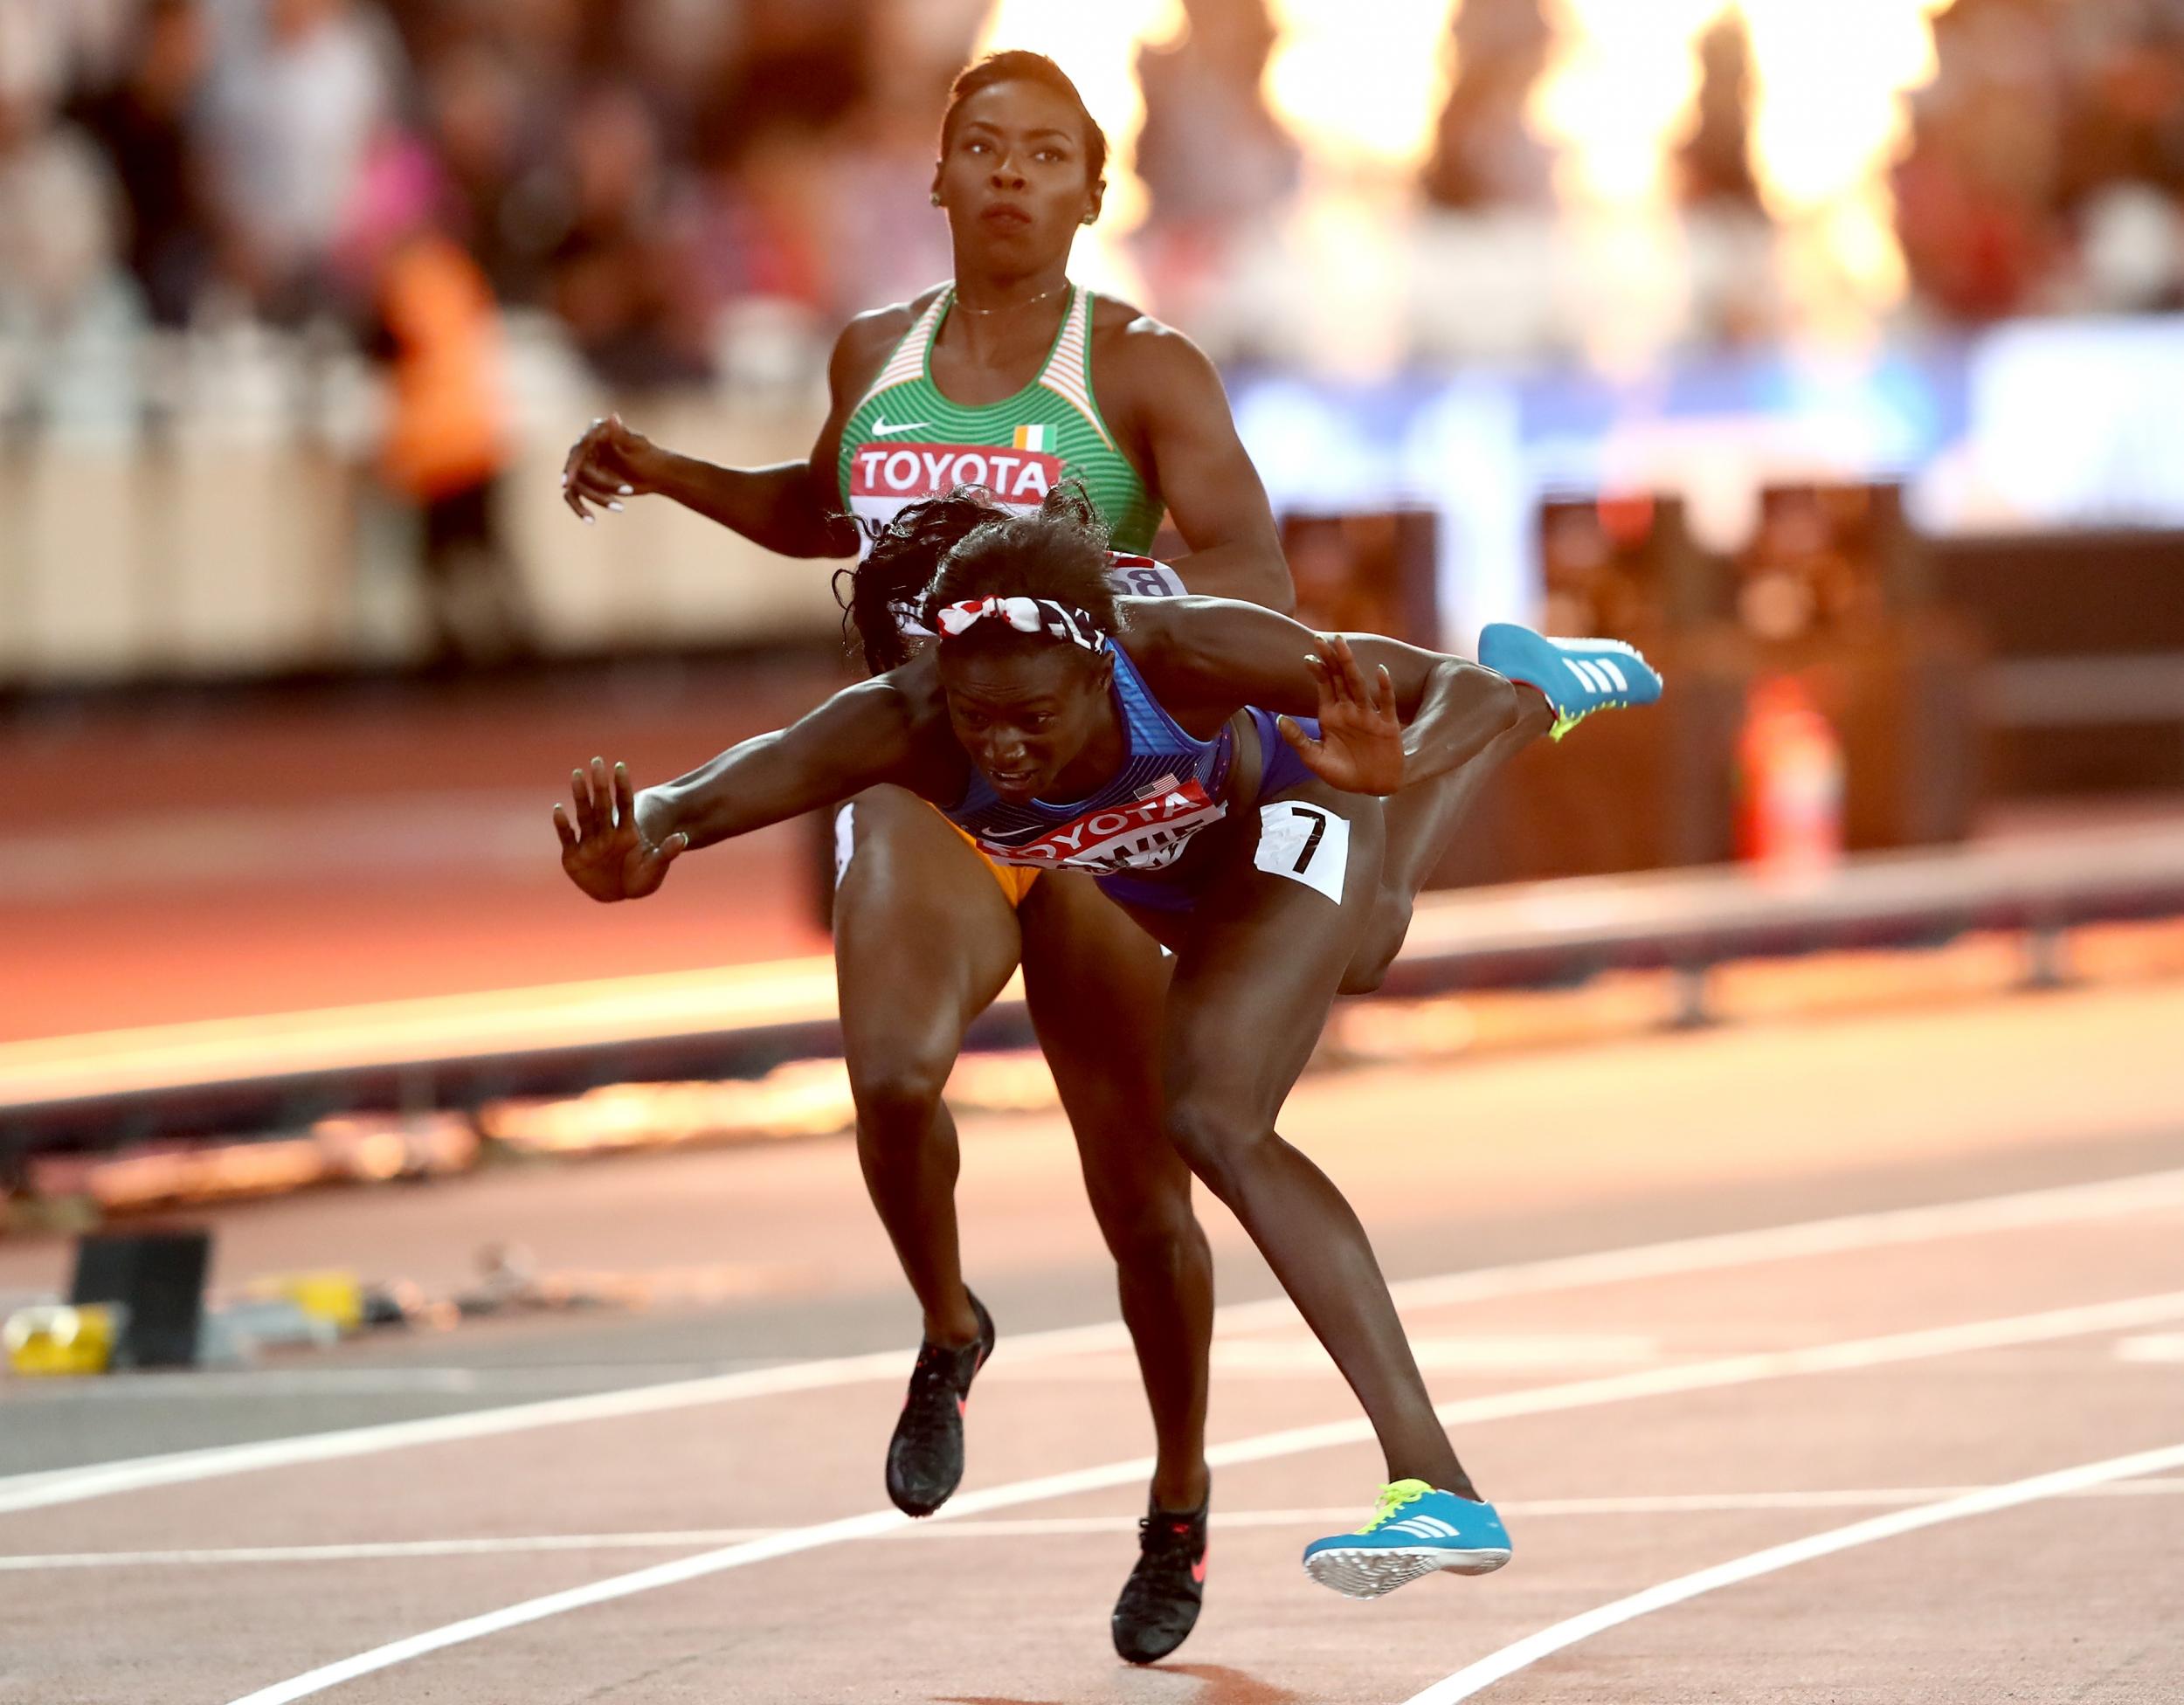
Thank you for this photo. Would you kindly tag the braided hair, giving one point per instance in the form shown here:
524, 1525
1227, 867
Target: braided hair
967, 545
886, 591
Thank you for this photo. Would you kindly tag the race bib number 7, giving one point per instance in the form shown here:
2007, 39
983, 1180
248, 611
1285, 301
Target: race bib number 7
1306, 843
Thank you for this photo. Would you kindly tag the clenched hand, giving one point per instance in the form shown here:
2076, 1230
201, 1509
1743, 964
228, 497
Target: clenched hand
610, 462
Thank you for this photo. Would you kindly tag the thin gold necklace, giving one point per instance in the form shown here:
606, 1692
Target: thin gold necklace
1043, 295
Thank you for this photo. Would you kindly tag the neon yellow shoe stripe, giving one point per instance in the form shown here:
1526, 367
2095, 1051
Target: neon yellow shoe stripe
1394, 1497
1568, 719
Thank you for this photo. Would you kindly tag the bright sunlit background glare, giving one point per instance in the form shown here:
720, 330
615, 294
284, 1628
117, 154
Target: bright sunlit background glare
1361, 86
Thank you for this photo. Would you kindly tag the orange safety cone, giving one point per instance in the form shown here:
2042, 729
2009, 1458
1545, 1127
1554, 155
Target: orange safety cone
1790, 774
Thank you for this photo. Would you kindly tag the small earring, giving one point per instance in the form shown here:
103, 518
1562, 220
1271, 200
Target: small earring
936, 198
1089, 218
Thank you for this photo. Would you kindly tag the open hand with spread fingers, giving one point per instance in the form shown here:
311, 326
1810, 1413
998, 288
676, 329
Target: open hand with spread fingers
606, 853
1360, 744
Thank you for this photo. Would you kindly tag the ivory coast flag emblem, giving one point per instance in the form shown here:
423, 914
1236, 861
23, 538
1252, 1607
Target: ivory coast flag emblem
1032, 438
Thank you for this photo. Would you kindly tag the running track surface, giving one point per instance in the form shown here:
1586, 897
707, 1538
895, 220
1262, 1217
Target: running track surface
1642, 1417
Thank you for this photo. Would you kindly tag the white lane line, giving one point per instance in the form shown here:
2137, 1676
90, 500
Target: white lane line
1704, 1375
1034, 1527
379, 1551
40, 1491
2143, 1192
1476, 1677
255, 1383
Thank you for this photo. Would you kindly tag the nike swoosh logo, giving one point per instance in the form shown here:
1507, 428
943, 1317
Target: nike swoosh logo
881, 429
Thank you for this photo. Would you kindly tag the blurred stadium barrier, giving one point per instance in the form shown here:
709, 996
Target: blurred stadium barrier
205, 510
94, 1092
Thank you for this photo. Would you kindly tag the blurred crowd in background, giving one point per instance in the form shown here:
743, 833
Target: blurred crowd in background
632, 167
644, 170
2046, 171
300, 297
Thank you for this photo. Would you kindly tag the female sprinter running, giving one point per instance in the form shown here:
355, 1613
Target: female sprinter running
1007, 378
1160, 745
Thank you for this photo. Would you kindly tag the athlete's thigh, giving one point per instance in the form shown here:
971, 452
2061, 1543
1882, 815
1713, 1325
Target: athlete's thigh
1096, 986
1267, 950
924, 939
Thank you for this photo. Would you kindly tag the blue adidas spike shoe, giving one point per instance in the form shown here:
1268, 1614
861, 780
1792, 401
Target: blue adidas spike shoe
1417, 1530
1579, 676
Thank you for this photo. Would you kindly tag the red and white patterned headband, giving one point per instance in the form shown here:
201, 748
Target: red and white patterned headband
1059, 621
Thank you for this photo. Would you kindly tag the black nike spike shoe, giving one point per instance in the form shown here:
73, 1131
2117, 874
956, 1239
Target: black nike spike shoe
925, 1456
1160, 1601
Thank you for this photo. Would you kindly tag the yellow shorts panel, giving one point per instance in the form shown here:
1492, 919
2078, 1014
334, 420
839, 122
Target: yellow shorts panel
1015, 880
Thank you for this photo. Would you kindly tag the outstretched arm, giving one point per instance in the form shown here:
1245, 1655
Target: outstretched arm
782, 507
1391, 714
620, 844
792, 507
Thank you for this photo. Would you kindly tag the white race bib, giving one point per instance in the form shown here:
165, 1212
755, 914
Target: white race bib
1306, 843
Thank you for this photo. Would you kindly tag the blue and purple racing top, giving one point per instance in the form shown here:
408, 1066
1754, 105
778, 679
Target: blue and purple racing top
1169, 787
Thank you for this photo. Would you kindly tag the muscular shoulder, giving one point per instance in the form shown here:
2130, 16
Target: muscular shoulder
1145, 367
867, 341
1198, 638
905, 712
905, 700
1210, 657
1167, 637
1138, 345
910, 701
